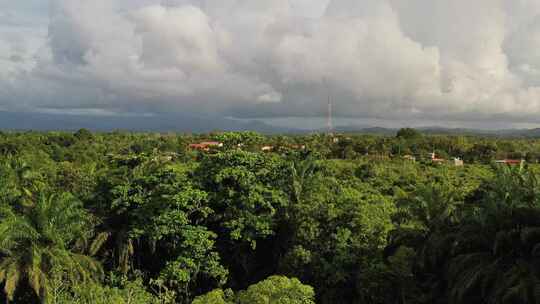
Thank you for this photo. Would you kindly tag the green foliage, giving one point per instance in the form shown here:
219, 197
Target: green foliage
46, 240
479, 249
408, 133
244, 192
83, 134
277, 290
244, 140
216, 296
157, 209
495, 255
131, 292
347, 214
273, 290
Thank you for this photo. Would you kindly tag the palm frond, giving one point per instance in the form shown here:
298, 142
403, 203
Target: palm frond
98, 242
13, 276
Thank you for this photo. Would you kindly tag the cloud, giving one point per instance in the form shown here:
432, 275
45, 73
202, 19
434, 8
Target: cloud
385, 59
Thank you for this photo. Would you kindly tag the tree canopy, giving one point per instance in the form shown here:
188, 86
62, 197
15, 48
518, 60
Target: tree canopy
349, 218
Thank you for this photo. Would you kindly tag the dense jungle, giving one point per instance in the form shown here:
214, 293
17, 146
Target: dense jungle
242, 218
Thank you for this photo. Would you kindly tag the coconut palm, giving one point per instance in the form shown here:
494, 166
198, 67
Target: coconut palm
43, 240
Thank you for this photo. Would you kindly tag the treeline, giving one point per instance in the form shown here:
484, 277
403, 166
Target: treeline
141, 218
71, 146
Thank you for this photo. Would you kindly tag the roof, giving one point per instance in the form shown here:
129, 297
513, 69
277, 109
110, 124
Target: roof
298, 146
509, 161
198, 146
206, 144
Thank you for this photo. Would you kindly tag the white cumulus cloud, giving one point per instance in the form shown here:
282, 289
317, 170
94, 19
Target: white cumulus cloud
408, 59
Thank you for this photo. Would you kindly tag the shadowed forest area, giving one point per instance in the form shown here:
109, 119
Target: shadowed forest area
239, 217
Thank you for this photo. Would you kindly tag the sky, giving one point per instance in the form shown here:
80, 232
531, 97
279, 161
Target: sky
457, 63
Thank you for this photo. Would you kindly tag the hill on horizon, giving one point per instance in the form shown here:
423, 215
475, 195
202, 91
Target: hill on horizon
204, 124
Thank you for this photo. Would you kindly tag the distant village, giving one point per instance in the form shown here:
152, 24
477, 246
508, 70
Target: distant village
206, 146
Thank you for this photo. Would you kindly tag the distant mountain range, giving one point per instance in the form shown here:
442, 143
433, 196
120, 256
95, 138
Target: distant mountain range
155, 123
203, 124
526, 133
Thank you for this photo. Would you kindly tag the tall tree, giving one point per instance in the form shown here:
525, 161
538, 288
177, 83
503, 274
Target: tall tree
44, 240
408, 133
273, 290
497, 247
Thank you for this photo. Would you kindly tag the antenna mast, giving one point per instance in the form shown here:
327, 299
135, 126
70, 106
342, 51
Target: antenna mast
329, 123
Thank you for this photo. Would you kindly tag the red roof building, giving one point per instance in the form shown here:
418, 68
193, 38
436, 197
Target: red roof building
435, 159
510, 161
205, 145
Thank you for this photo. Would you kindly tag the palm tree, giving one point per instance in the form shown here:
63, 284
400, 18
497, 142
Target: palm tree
301, 172
497, 249
19, 181
426, 221
484, 251
46, 239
